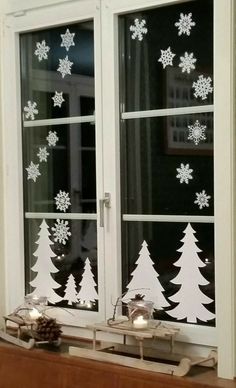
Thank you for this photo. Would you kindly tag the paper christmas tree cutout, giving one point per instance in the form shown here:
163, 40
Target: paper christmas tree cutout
70, 291
145, 279
43, 282
190, 298
87, 293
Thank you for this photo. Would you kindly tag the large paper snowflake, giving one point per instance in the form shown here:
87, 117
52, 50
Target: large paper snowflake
64, 66
43, 154
30, 110
42, 50
184, 173
196, 132
58, 99
187, 62
33, 171
67, 39
62, 200
202, 199
202, 87
166, 57
185, 24
138, 29
52, 138
61, 231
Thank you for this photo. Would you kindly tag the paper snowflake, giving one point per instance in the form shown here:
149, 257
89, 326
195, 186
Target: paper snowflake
30, 110
67, 39
196, 132
61, 231
58, 99
187, 62
185, 24
202, 199
184, 173
42, 50
202, 87
62, 201
52, 139
138, 29
43, 154
64, 66
166, 57
33, 171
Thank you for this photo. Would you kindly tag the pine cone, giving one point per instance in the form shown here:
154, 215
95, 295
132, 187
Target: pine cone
47, 329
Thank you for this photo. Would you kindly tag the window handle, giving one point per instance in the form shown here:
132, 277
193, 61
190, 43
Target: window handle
104, 202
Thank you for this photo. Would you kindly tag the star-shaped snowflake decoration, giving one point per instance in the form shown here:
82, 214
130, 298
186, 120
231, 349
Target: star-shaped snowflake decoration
166, 57
202, 199
64, 66
67, 39
185, 24
187, 62
202, 87
184, 173
43, 154
33, 171
62, 200
30, 110
41, 50
138, 29
58, 99
52, 138
196, 132
61, 231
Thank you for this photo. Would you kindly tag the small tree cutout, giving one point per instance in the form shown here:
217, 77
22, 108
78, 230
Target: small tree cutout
87, 293
145, 279
70, 291
43, 282
190, 298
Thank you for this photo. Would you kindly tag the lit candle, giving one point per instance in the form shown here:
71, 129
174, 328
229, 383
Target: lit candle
34, 314
140, 323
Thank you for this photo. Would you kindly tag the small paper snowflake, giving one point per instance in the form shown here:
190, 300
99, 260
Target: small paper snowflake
64, 66
62, 201
33, 171
42, 50
184, 173
52, 139
58, 99
43, 154
196, 132
166, 57
185, 24
202, 87
67, 39
138, 29
202, 199
187, 62
30, 110
61, 231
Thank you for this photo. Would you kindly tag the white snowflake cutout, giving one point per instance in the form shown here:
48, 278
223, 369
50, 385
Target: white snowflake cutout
67, 39
62, 200
187, 62
196, 132
58, 99
184, 173
185, 24
138, 29
30, 110
64, 66
41, 50
33, 171
61, 231
166, 57
202, 87
202, 199
43, 154
52, 139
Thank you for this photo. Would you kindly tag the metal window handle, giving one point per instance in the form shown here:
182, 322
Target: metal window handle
104, 202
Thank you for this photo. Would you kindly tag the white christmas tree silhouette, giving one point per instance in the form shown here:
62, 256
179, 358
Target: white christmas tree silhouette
145, 279
70, 291
87, 293
44, 283
190, 298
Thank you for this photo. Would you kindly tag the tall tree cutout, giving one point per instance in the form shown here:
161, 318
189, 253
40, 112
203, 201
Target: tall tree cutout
145, 279
43, 282
190, 298
87, 293
70, 290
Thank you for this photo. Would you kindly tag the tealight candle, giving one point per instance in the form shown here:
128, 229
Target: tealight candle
140, 322
34, 313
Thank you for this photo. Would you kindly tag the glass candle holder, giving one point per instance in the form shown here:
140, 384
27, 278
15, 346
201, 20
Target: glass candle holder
140, 312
